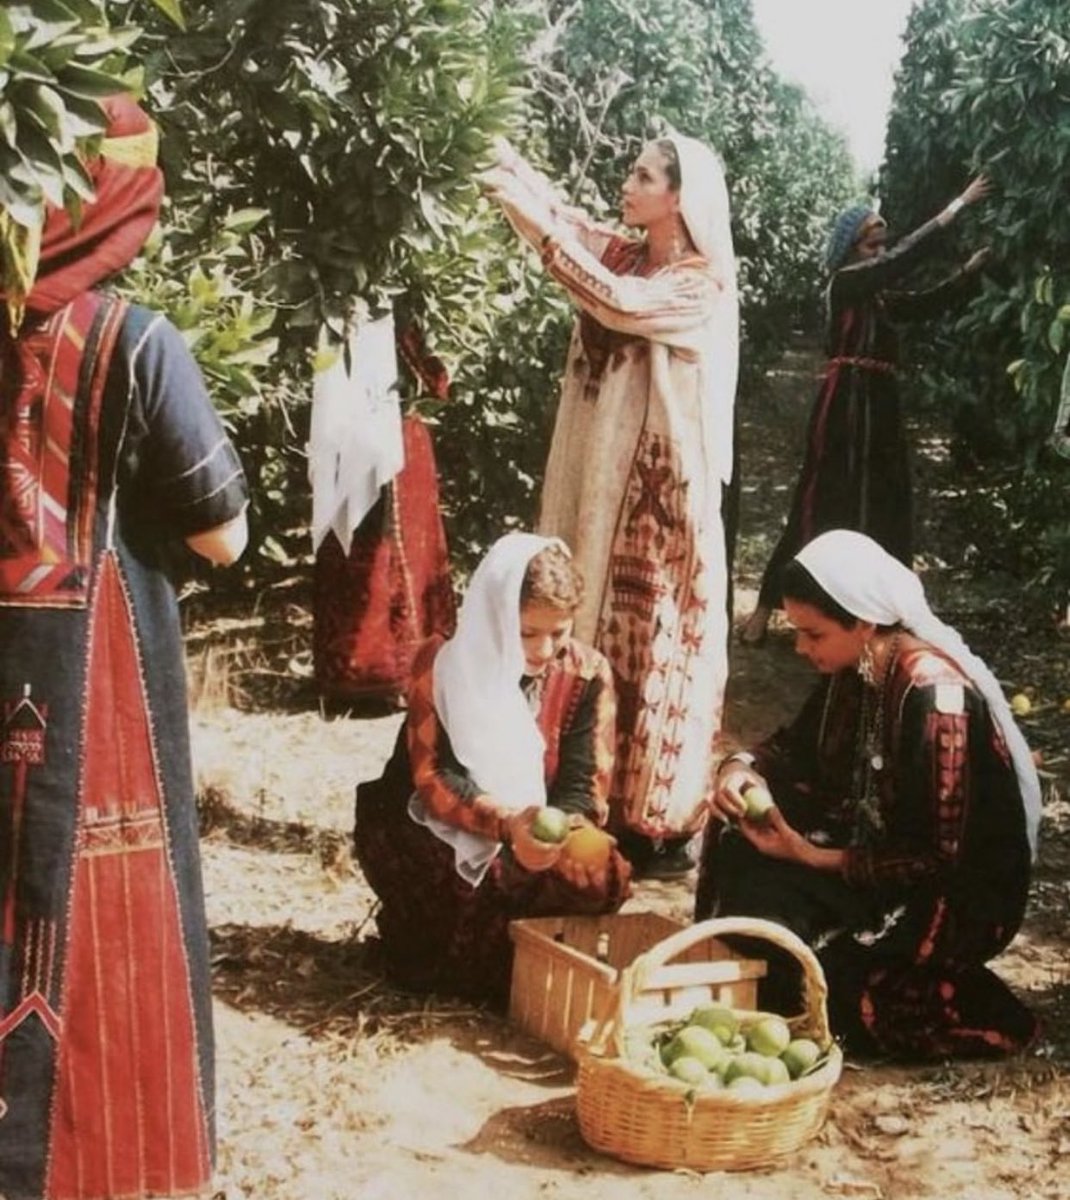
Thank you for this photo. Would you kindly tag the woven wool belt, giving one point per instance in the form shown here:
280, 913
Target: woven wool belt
865, 364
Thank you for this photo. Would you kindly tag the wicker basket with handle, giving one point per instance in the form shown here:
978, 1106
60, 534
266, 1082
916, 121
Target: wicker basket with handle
643, 1117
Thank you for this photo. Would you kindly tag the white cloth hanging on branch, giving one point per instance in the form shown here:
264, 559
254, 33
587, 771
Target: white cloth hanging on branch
355, 444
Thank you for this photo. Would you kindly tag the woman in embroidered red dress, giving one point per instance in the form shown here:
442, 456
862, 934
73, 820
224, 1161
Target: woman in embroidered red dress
641, 453
112, 454
856, 472
907, 806
510, 714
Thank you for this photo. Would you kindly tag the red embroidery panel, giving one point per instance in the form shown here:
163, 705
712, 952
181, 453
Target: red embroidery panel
128, 1117
45, 532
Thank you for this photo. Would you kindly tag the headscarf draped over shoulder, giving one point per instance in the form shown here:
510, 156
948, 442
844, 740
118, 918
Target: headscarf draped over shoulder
479, 703
75, 256
869, 583
704, 206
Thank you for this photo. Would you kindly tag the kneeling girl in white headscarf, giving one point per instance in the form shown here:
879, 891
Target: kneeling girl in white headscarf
509, 718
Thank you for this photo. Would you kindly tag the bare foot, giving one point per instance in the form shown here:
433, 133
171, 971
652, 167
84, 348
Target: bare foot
755, 627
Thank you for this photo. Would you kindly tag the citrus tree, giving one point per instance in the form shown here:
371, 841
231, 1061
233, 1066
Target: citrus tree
602, 76
341, 139
985, 85
57, 59
321, 160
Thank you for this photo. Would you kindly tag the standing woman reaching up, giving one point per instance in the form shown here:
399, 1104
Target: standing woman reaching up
856, 473
641, 451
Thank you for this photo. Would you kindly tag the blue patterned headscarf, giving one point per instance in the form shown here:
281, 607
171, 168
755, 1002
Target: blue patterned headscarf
845, 233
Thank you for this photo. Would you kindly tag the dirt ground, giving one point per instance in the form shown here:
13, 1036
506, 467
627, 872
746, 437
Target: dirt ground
334, 1087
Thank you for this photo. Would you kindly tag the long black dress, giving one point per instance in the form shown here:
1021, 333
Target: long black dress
856, 471
915, 781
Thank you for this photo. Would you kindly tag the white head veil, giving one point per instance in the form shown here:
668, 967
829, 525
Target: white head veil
873, 586
705, 210
477, 696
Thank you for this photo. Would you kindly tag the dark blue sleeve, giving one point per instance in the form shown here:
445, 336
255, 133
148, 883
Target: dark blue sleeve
860, 280
183, 465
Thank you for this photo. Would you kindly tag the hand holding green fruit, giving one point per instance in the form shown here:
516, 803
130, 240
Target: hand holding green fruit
759, 801
530, 851
550, 825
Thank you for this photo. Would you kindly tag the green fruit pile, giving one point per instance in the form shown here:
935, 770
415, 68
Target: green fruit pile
714, 1049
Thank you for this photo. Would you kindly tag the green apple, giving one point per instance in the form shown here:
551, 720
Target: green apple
800, 1056
550, 825
694, 1041
688, 1069
770, 1036
759, 802
718, 1019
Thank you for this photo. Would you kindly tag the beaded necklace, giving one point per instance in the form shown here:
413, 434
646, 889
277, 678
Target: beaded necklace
869, 755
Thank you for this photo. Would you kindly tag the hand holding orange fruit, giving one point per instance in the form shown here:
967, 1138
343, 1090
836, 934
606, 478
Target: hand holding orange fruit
585, 855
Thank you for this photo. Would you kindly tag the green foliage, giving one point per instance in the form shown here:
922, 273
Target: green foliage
357, 127
56, 61
604, 75
985, 85
207, 283
321, 159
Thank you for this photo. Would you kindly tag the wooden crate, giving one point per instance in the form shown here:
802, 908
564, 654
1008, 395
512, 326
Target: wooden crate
560, 988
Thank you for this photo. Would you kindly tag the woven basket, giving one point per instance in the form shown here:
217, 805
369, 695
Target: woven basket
643, 1117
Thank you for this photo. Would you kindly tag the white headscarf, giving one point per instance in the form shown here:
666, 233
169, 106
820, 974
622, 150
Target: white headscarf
705, 210
873, 586
477, 696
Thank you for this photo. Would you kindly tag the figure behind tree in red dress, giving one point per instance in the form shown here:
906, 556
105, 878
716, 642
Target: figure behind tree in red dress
382, 579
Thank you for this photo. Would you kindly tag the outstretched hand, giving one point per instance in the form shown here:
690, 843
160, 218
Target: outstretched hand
977, 259
976, 189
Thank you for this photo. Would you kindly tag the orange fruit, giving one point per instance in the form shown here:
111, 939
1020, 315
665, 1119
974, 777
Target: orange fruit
589, 846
